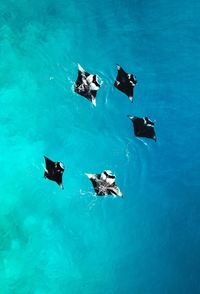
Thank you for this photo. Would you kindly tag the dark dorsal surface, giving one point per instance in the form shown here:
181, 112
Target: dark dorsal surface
125, 82
54, 171
104, 184
87, 85
143, 127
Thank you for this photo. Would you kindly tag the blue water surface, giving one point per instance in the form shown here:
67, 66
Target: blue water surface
71, 242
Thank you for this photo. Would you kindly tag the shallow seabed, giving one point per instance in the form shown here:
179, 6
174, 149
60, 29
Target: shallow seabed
71, 242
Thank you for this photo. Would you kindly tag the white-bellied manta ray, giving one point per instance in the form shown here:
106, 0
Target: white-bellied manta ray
87, 85
104, 184
143, 127
54, 171
125, 82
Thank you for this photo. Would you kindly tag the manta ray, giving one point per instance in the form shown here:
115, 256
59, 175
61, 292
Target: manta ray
54, 171
125, 82
143, 127
87, 85
104, 184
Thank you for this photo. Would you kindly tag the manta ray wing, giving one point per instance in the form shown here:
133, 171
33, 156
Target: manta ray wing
49, 164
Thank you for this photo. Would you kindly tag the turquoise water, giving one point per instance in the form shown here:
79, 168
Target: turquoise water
54, 241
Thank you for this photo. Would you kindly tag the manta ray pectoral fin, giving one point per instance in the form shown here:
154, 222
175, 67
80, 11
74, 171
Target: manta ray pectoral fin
118, 66
90, 176
131, 117
119, 193
80, 68
94, 101
118, 83
131, 98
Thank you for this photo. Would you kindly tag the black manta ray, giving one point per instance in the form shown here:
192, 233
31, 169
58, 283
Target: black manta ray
143, 127
54, 171
104, 184
87, 85
125, 82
